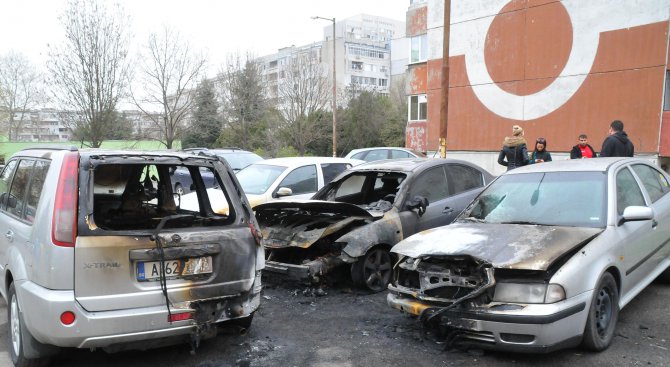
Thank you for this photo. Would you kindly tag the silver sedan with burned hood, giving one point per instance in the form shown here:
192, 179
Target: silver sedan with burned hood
356, 219
544, 258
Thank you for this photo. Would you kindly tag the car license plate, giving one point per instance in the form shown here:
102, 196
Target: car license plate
150, 270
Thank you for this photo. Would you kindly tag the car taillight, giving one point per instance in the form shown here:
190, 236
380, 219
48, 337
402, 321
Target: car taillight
180, 316
64, 222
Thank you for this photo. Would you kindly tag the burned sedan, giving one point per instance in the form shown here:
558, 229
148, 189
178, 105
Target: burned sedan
356, 219
544, 258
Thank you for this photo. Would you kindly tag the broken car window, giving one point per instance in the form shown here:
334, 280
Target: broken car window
138, 196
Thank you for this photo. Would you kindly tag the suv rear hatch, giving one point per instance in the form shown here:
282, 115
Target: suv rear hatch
137, 247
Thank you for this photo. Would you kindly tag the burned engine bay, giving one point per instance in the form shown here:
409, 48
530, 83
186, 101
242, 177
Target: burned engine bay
305, 234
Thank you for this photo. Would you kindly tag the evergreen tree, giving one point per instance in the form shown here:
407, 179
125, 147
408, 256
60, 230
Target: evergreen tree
206, 125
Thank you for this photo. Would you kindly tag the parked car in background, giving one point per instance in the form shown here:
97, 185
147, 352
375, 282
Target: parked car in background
544, 258
97, 252
236, 158
282, 178
292, 177
182, 182
379, 153
356, 219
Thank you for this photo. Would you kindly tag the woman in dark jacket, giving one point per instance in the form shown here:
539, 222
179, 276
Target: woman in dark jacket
540, 154
514, 152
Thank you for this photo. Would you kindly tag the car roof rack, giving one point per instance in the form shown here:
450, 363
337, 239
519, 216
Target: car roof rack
193, 149
71, 148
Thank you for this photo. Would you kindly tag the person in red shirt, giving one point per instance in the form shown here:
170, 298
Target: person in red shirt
583, 149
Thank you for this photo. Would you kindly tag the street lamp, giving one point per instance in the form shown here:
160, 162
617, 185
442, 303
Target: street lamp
334, 89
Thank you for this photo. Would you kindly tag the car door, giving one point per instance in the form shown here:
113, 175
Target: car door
637, 236
464, 184
5, 225
657, 187
302, 181
434, 186
20, 206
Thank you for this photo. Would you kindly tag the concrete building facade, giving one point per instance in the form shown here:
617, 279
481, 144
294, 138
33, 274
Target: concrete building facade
364, 54
557, 68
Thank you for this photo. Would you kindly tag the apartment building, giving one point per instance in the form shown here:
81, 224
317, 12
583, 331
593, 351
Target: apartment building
364, 54
557, 68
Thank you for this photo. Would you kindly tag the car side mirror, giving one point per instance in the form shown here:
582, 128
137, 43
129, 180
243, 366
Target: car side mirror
636, 214
8, 199
284, 191
418, 202
177, 199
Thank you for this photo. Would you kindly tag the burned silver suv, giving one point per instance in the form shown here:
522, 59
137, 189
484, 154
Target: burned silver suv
97, 252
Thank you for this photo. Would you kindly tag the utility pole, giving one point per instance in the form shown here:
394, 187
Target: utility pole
444, 106
334, 103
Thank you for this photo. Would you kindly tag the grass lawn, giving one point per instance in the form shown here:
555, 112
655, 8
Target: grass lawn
9, 148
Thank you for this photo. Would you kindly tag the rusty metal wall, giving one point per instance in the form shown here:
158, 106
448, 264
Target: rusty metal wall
557, 68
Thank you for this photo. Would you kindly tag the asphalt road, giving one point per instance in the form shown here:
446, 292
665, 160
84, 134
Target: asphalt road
295, 327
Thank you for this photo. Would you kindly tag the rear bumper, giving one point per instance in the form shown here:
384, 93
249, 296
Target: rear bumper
536, 328
310, 271
42, 308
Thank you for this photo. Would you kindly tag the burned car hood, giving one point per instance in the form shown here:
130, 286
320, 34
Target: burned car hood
514, 246
302, 223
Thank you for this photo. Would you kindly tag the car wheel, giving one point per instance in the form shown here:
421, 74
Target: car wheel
603, 315
373, 270
19, 336
178, 189
665, 276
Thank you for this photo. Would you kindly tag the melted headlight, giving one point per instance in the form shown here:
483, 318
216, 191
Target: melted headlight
528, 293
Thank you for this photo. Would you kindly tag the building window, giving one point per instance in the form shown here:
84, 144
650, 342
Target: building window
356, 65
418, 48
359, 51
418, 107
383, 82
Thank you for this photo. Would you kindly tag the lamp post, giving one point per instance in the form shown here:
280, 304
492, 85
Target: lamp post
334, 88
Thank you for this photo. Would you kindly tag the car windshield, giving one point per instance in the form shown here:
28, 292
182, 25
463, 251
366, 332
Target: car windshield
257, 178
239, 160
552, 198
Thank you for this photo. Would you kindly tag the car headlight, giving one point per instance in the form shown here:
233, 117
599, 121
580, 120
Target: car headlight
528, 293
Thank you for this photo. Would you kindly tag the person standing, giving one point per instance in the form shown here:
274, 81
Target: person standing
617, 143
583, 149
540, 154
514, 152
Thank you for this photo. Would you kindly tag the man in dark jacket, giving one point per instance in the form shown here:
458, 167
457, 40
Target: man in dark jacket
583, 149
514, 152
617, 144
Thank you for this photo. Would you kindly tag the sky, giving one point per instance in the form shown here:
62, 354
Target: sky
218, 28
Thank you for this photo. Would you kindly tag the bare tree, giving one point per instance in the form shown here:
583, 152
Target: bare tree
304, 91
20, 90
89, 71
169, 76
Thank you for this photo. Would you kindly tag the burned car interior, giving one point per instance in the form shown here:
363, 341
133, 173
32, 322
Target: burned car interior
138, 196
365, 188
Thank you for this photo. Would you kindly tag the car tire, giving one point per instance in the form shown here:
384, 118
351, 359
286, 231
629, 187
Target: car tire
178, 189
373, 270
19, 337
665, 276
603, 315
